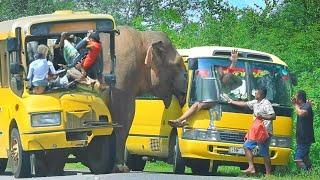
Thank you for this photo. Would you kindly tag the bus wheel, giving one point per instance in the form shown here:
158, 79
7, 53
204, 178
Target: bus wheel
101, 154
172, 143
20, 159
48, 164
3, 164
39, 164
202, 167
55, 161
135, 162
178, 162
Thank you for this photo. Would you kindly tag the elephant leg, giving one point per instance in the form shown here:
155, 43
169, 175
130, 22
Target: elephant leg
122, 107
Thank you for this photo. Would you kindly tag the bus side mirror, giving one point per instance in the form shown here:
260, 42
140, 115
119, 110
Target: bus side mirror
192, 64
15, 68
294, 79
12, 44
208, 90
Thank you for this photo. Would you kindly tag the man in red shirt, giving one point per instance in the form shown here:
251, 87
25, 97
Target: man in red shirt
94, 46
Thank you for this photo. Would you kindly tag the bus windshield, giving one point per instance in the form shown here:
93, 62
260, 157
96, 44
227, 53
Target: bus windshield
241, 82
59, 64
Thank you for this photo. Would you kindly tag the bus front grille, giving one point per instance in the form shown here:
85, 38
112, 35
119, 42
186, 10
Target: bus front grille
75, 122
234, 137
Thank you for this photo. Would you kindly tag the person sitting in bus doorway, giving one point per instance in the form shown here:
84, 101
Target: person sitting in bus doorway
262, 109
228, 82
304, 130
39, 69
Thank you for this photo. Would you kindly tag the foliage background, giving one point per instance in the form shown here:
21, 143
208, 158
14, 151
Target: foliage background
289, 29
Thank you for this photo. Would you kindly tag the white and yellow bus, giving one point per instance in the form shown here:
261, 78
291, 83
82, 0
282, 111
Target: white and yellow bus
208, 141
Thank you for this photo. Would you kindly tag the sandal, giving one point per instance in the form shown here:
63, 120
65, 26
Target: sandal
177, 123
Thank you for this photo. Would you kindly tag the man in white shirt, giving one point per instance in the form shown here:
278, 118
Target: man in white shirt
262, 109
38, 70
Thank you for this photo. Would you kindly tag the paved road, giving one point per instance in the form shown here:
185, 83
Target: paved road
83, 175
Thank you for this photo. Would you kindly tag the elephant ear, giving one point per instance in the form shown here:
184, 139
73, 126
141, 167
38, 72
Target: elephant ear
153, 57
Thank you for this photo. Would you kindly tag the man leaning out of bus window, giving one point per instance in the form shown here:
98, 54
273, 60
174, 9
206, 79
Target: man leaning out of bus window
39, 69
228, 81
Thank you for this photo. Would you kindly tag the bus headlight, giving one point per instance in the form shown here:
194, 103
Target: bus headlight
200, 134
45, 119
280, 141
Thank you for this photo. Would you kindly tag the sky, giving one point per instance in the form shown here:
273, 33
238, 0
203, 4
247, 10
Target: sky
245, 3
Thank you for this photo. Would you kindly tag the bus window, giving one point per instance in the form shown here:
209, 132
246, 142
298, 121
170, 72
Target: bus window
274, 78
232, 81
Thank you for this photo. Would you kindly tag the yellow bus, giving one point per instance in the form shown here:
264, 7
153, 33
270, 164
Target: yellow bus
39, 131
214, 137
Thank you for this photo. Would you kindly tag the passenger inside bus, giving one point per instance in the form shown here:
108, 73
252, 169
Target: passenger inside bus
80, 57
39, 70
229, 81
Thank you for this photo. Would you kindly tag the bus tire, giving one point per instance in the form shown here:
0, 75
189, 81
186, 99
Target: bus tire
172, 143
202, 167
39, 163
20, 160
3, 164
178, 162
135, 162
50, 163
199, 166
100, 154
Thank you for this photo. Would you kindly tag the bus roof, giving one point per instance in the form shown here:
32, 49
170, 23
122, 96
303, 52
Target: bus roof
211, 51
183, 52
26, 22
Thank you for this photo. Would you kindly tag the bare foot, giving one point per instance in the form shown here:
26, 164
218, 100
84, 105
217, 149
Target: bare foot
177, 123
249, 171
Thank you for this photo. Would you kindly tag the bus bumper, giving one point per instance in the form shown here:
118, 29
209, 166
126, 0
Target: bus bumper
61, 139
220, 151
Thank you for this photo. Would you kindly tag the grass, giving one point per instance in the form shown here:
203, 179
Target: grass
74, 166
235, 172
230, 171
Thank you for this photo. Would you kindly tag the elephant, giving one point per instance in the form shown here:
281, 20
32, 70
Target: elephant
146, 62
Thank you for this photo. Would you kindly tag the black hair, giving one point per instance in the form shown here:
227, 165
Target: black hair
302, 95
95, 36
264, 91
